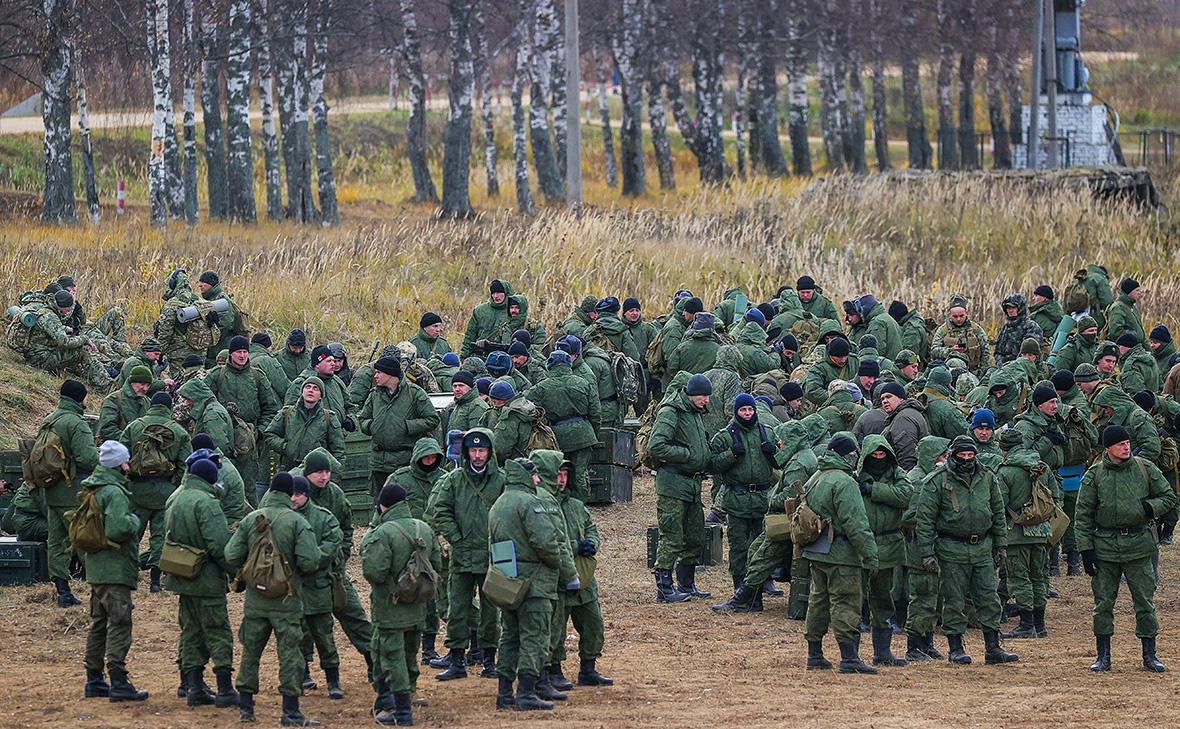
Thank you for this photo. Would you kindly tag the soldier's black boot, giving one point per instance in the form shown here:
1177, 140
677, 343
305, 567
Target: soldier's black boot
1073, 564
309, 683
154, 575
557, 679
1166, 530
850, 661
96, 685
384, 700
333, 676
756, 606
197, 693
1026, 628
1150, 662
489, 663
741, 602
526, 695
589, 676
665, 592
686, 577
475, 655
1102, 662
226, 696
443, 661
458, 667
930, 649
815, 656
65, 598
504, 696
245, 707
1039, 622
957, 654
545, 689
122, 690
403, 709
428, 651
292, 716
883, 649
182, 689
768, 588
914, 648
994, 652
1055, 562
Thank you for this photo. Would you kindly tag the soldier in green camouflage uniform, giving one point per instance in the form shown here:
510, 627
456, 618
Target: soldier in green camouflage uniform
959, 335
240, 385
921, 582
124, 405
317, 589
1017, 327
50, 347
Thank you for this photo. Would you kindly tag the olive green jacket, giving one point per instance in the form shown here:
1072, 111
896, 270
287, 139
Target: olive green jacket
519, 516
297, 430
195, 519
152, 493
294, 540
396, 420
466, 412
889, 495
958, 508
317, 585
208, 415
420, 482
460, 512
511, 426
118, 409
571, 407
385, 552
1111, 499
248, 388
78, 442
746, 470
1123, 316
292, 363
1015, 478
832, 493
681, 445
119, 566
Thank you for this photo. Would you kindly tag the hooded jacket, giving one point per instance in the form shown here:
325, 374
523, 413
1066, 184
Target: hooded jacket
904, 427
727, 385
832, 493
152, 493
119, 566
208, 415
571, 408
488, 321
1145, 439
1078, 348
194, 518
741, 462
1138, 371
297, 430
459, 513
1016, 481
681, 445
755, 357
1123, 316
118, 409
889, 493
875, 321
696, 354
420, 482
1047, 315
385, 552
317, 585
958, 507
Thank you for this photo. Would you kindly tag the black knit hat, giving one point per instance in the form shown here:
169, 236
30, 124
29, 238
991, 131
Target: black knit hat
319, 354
805, 283
790, 343
1063, 380
693, 306
464, 377
1128, 285
869, 368
297, 338
497, 287
1113, 435
1044, 290
898, 310
630, 303
892, 388
210, 277
842, 445
74, 390
262, 339
428, 319
1043, 394
1145, 399
389, 366
1161, 334
282, 482
162, 398
1127, 339
391, 494
791, 391
63, 299
238, 342
838, 347
518, 349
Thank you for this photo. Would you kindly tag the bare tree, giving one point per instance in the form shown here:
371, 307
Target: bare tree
627, 45
189, 103
92, 210
545, 41
831, 84
211, 52
948, 152
608, 145
995, 87
57, 76
917, 142
290, 58
877, 20
325, 179
702, 135
968, 153
240, 160
160, 57
483, 74
520, 155
658, 56
424, 190
797, 105
767, 97
266, 94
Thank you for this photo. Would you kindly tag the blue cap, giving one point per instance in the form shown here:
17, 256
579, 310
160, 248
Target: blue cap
502, 390
744, 400
498, 363
983, 418
557, 357
698, 385
757, 316
450, 359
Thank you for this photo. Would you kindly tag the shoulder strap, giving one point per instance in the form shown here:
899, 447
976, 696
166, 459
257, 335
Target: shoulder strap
1142, 468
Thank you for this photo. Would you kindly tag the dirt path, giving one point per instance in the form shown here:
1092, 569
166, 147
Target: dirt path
674, 666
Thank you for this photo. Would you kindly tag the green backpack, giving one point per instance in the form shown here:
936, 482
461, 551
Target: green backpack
1076, 298
265, 568
245, 437
418, 582
43, 459
149, 452
87, 529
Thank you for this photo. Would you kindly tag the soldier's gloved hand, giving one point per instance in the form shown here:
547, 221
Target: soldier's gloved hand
1056, 437
1148, 511
573, 585
1089, 562
777, 347
769, 448
930, 563
735, 443
212, 318
999, 555
349, 423
866, 488
587, 548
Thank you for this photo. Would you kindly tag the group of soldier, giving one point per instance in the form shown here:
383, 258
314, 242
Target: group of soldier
900, 476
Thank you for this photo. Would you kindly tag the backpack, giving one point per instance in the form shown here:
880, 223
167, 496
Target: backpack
265, 568
87, 529
148, 453
769, 384
541, 436
806, 330
418, 582
1169, 458
21, 326
1076, 298
656, 363
1079, 447
44, 461
245, 437
806, 525
629, 381
1040, 507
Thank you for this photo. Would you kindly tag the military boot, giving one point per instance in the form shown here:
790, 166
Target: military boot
443, 661
65, 598
883, 649
930, 649
1055, 562
1073, 564
428, 651
756, 606
769, 589
557, 679
292, 716
588, 676
475, 655
457, 668
198, 695
309, 683
1026, 629
995, 653
1102, 662
815, 656
489, 664
914, 648
1150, 662
850, 661
526, 695
245, 707
226, 696
96, 685
384, 700
403, 709
741, 602
1039, 623
182, 689
665, 592
122, 690
504, 696
957, 654
333, 676
545, 689
154, 584
686, 577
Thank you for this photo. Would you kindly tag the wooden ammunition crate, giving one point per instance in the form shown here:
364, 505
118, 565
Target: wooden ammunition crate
22, 563
609, 484
711, 554
615, 446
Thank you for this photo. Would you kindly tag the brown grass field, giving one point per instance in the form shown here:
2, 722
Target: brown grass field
675, 666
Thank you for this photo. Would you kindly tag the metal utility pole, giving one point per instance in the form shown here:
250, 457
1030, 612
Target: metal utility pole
1034, 107
1051, 86
573, 97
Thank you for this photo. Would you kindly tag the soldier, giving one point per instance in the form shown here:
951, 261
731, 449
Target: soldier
429, 340
1067, 390
468, 408
842, 409
1016, 329
583, 316
573, 411
914, 336
124, 405
673, 332
293, 540
1087, 378
27, 516
232, 494
297, 430
387, 552
642, 333
239, 385
697, 353
294, 358
518, 516
609, 328
943, 415
755, 355
1137, 368
460, 517
396, 414
962, 532
837, 558
323, 366
488, 321
159, 449
681, 445
1118, 501
419, 480
51, 348
317, 589
836, 364
1106, 359
1080, 347
1022, 472
905, 423
182, 339
865, 315
229, 322
921, 579
148, 355
1044, 310
112, 575
727, 385
196, 520
77, 442
1039, 427
983, 432
959, 335
261, 358
813, 300
523, 374
1095, 281
340, 362
1163, 350
1123, 315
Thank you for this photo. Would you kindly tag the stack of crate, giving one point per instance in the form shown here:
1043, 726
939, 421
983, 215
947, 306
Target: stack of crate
611, 467
354, 480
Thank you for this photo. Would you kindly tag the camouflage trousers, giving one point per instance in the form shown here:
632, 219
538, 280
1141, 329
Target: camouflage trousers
1141, 581
682, 531
204, 633
1028, 575
155, 518
880, 596
110, 627
524, 638
464, 617
318, 635
80, 363
834, 602
922, 608
975, 582
254, 634
395, 658
587, 618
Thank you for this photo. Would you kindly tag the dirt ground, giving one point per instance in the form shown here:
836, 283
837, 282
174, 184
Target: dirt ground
679, 665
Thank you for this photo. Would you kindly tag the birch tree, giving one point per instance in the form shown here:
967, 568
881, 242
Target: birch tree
608, 145
456, 198
995, 90
161, 68
290, 57
702, 135
325, 179
56, 78
627, 21
877, 21
189, 103
948, 152
797, 105
520, 154
92, 209
483, 74
830, 85
850, 52
917, 143
771, 150
240, 159
545, 41
424, 190
968, 152
659, 58
211, 51
266, 93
